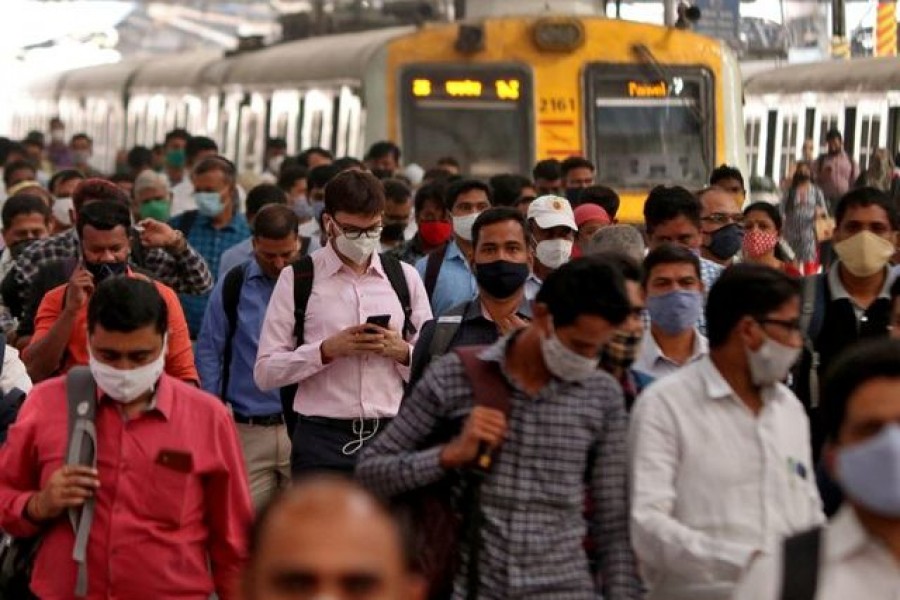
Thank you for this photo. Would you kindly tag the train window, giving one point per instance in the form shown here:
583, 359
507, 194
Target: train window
827, 123
752, 131
645, 129
479, 115
869, 140
788, 144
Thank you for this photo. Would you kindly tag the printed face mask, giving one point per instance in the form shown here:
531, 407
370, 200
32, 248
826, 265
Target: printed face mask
759, 243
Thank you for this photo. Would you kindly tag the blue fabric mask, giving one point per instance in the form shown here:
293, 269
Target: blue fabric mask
209, 204
724, 243
675, 311
869, 472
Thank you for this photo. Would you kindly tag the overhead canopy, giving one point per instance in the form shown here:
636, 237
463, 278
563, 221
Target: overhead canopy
102, 79
174, 72
830, 76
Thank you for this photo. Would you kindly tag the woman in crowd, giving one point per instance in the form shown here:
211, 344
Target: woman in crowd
803, 203
762, 232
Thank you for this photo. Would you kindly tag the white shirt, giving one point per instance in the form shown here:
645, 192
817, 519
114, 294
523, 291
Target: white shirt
14, 374
651, 360
712, 483
853, 565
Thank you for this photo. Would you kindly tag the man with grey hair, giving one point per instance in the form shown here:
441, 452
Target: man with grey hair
623, 239
151, 197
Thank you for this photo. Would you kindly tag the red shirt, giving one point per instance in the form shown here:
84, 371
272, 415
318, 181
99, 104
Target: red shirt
158, 531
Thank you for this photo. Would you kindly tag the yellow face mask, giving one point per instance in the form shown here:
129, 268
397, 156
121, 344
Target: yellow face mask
864, 253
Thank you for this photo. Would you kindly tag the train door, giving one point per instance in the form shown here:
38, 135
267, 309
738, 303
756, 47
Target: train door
229, 121
318, 120
893, 132
828, 117
251, 145
788, 140
284, 118
871, 125
755, 135
349, 139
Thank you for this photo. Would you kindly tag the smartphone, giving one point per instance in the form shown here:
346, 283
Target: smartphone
381, 320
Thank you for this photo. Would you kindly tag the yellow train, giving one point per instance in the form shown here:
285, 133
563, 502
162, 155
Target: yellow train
647, 104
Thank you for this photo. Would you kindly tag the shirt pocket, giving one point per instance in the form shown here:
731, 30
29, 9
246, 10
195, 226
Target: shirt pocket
164, 500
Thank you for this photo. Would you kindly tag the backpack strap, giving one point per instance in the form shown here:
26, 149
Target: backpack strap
231, 296
393, 268
303, 284
812, 316
186, 222
304, 245
2, 351
81, 395
800, 565
433, 268
489, 387
445, 328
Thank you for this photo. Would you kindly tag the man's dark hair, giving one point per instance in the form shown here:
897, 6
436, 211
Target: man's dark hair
630, 268
771, 211
430, 192
507, 188
277, 143
198, 144
103, 216
275, 222
382, 149
872, 358
83, 137
345, 163
121, 178
670, 254
458, 188
217, 163
864, 197
833, 134
667, 203
140, 158
101, 190
23, 204
177, 134
396, 191
437, 174
604, 197
448, 161
745, 290
548, 169
354, 192
500, 214
723, 172
12, 149
290, 176
585, 286
34, 138
575, 162
263, 194
17, 165
303, 157
321, 175
126, 304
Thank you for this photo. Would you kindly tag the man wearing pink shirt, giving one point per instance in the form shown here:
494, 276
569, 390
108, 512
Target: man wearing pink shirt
350, 373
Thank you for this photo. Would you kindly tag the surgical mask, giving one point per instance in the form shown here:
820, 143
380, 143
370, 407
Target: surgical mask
501, 278
759, 243
275, 163
81, 157
462, 226
869, 472
771, 362
864, 253
155, 209
435, 233
62, 210
175, 158
126, 385
104, 270
724, 243
358, 251
57, 135
209, 204
308, 229
303, 209
620, 352
554, 253
676, 311
564, 363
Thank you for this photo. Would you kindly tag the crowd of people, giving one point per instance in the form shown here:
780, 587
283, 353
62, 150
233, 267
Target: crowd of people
348, 378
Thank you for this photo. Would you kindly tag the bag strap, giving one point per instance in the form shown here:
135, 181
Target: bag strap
812, 315
2, 350
393, 268
304, 273
800, 560
81, 396
304, 245
231, 296
433, 268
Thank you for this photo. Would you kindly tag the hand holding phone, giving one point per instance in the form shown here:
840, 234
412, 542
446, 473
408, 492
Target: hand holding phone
380, 320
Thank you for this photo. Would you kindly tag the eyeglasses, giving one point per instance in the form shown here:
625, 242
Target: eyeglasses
355, 233
790, 324
724, 218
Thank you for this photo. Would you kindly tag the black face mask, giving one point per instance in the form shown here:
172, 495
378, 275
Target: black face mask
394, 232
382, 173
573, 195
725, 242
501, 279
104, 270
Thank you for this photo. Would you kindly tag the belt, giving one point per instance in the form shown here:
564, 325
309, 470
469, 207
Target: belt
260, 420
346, 424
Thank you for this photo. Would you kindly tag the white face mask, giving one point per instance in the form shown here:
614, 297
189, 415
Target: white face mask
275, 163
462, 226
126, 385
771, 363
554, 253
62, 210
357, 251
564, 363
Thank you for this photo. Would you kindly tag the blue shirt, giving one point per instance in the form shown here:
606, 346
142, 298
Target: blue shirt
210, 243
242, 252
242, 393
455, 283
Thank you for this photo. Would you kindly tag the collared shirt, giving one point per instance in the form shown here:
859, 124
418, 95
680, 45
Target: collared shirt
853, 564
242, 393
210, 243
651, 360
350, 386
533, 497
455, 283
158, 531
838, 291
712, 483
179, 357
835, 173
185, 272
243, 251
532, 286
14, 374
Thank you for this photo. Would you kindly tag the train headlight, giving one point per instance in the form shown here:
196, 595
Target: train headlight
558, 35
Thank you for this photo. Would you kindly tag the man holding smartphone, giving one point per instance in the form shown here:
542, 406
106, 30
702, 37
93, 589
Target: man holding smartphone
350, 372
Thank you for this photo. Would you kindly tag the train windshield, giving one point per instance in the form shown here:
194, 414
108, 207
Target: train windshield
650, 127
480, 116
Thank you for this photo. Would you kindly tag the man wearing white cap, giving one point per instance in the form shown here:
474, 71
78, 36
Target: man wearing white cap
553, 228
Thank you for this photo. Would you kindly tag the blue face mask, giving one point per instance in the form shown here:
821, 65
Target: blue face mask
209, 204
724, 243
676, 311
869, 472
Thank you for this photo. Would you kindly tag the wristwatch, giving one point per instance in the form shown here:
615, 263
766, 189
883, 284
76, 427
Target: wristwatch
179, 245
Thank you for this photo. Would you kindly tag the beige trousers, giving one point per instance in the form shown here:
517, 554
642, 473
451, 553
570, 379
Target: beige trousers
267, 454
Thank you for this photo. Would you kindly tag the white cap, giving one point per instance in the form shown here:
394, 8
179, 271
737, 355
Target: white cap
552, 211
414, 173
